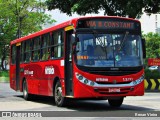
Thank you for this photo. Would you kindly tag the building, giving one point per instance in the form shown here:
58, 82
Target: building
150, 23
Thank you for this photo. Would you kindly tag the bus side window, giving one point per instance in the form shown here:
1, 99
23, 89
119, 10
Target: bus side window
45, 47
36, 49
27, 51
46, 54
57, 45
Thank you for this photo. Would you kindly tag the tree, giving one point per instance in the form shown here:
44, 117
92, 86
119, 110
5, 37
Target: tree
152, 45
131, 8
152, 51
19, 18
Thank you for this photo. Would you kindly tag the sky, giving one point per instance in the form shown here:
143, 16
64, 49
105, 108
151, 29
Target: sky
62, 17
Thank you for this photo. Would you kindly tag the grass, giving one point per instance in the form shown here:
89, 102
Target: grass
4, 73
4, 76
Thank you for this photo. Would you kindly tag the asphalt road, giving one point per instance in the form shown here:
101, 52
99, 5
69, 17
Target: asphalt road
11, 100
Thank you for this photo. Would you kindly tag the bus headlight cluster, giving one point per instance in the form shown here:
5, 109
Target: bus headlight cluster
138, 81
80, 77
84, 80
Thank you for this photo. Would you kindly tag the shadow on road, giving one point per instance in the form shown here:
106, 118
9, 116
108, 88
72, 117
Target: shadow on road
88, 105
101, 105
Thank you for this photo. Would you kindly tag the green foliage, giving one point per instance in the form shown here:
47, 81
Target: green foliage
4, 73
152, 51
132, 8
19, 18
152, 74
25, 15
152, 45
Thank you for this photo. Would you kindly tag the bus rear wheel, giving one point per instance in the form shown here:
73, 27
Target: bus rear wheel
26, 95
115, 102
60, 100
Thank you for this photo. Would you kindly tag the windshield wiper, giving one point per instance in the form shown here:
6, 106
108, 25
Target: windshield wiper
124, 38
117, 57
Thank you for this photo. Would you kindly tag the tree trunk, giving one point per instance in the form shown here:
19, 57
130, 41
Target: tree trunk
2, 66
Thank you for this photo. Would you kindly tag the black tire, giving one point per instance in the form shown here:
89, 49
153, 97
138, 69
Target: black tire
26, 95
60, 100
115, 102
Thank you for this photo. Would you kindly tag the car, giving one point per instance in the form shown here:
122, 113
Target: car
153, 68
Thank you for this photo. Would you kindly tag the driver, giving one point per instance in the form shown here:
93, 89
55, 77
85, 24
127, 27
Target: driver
118, 50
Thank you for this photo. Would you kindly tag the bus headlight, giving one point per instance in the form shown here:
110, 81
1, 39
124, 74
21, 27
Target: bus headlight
80, 77
84, 80
138, 81
92, 83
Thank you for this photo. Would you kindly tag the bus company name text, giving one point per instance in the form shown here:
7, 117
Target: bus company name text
27, 72
49, 70
102, 79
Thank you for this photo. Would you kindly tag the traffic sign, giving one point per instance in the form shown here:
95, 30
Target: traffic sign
154, 61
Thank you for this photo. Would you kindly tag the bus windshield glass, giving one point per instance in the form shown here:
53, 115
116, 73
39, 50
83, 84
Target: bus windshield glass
109, 50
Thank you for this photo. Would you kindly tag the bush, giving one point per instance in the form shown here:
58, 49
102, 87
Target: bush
4, 73
152, 74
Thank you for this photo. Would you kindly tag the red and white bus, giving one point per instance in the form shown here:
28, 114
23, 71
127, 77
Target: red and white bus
84, 58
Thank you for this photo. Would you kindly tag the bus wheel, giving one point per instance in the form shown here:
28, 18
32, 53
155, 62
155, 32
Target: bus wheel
59, 99
26, 95
115, 102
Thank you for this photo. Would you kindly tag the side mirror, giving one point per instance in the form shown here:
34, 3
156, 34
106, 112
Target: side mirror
144, 47
73, 39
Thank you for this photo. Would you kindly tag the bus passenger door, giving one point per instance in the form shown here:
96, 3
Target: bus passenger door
68, 64
18, 66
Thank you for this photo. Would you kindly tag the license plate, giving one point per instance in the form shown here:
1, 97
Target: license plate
114, 90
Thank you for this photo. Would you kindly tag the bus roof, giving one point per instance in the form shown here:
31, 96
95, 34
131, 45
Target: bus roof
62, 25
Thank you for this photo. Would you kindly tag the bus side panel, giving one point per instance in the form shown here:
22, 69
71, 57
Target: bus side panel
13, 77
32, 86
21, 77
40, 76
51, 70
32, 74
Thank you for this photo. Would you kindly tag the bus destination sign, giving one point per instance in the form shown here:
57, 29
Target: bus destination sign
107, 24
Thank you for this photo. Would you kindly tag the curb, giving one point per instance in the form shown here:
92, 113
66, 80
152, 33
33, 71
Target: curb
152, 84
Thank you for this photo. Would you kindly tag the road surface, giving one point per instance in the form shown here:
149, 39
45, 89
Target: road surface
11, 100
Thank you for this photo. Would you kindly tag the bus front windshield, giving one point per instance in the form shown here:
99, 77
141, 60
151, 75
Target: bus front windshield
109, 50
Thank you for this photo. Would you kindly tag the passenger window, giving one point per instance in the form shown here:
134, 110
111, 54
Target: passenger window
57, 46
35, 45
45, 47
27, 51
